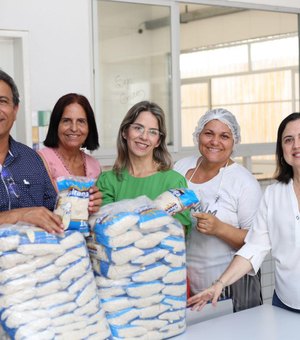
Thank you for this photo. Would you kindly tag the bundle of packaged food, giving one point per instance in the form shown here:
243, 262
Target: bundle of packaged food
138, 256
73, 201
3, 335
47, 286
173, 201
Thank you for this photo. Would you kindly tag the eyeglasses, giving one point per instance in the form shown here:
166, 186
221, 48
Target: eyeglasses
139, 129
9, 182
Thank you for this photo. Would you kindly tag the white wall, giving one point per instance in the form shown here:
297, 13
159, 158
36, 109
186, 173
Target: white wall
59, 46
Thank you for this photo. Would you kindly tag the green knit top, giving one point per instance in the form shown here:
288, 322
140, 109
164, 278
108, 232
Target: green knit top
115, 189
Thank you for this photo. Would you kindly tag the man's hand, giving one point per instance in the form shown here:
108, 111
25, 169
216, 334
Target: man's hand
39, 216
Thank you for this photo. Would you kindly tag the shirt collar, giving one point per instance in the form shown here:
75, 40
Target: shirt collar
12, 151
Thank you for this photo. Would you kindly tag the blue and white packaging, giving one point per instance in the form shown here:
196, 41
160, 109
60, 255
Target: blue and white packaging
73, 201
134, 262
52, 293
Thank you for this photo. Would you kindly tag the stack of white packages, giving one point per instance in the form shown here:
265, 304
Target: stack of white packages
138, 256
47, 286
3, 335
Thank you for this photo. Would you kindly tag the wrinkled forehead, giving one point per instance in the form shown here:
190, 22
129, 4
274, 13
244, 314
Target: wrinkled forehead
74, 110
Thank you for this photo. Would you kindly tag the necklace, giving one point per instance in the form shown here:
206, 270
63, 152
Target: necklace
217, 196
83, 157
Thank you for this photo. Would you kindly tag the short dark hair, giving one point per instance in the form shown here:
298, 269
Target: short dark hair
284, 172
92, 140
11, 83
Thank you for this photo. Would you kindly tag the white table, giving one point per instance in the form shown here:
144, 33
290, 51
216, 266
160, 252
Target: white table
265, 322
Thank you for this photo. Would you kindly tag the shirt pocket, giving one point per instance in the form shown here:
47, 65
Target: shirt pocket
31, 191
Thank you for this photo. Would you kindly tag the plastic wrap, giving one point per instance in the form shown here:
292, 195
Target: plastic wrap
138, 257
73, 201
51, 293
176, 200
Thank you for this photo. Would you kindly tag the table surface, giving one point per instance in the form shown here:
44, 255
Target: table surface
265, 322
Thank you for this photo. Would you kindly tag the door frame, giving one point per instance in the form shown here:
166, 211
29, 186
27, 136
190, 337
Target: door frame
22, 130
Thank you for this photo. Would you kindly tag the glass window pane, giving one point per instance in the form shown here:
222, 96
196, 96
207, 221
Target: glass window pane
217, 61
275, 53
257, 127
189, 119
194, 104
133, 62
194, 94
261, 87
252, 70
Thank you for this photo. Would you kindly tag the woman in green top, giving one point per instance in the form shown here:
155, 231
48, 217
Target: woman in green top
143, 165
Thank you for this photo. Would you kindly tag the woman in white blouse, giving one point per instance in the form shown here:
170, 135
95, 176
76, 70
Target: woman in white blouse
276, 227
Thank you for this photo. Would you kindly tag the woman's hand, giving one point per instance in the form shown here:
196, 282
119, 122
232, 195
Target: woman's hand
198, 301
95, 199
207, 224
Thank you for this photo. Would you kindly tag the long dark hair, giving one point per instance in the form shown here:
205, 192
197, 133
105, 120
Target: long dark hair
284, 172
92, 139
160, 154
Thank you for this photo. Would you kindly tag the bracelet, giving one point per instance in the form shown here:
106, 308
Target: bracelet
221, 282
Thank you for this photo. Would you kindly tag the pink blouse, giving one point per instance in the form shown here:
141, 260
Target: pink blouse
56, 167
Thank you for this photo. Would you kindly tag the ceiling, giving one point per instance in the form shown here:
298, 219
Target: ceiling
190, 13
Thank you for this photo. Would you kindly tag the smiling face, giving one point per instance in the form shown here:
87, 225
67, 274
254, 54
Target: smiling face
8, 111
142, 144
216, 142
291, 143
73, 127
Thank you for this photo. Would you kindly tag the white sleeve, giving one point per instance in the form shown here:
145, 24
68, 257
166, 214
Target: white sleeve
183, 165
248, 201
257, 242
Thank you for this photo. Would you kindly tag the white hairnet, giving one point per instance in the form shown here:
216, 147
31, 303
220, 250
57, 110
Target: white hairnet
222, 115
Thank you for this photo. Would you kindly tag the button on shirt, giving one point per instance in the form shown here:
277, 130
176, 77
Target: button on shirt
24, 181
277, 228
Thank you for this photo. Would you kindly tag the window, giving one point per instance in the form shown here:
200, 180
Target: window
257, 80
243, 59
132, 66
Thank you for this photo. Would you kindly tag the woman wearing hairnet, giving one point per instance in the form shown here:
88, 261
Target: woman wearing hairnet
275, 228
229, 196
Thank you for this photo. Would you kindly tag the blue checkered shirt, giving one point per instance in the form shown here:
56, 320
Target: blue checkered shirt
24, 181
